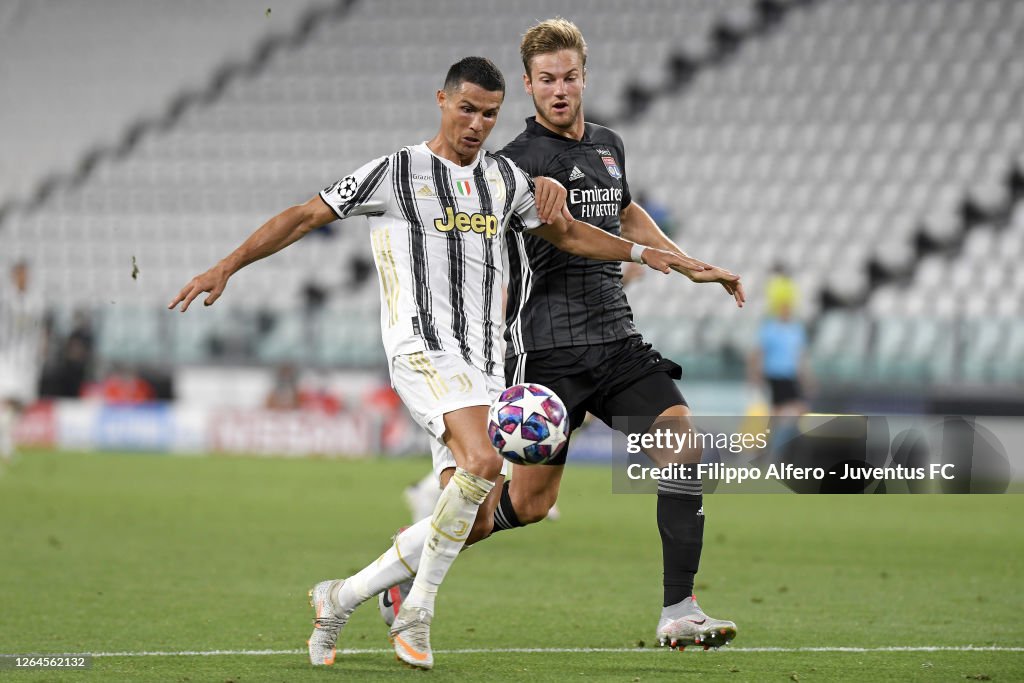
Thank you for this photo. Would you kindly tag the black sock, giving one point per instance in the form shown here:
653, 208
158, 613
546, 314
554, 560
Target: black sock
681, 523
505, 516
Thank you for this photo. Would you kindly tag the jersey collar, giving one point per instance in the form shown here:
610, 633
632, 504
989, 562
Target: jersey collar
535, 128
451, 164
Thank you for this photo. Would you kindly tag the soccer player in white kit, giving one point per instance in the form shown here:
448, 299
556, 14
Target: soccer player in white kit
21, 350
437, 213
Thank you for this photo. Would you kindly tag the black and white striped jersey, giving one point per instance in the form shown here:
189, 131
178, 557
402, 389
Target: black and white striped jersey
557, 299
436, 230
21, 328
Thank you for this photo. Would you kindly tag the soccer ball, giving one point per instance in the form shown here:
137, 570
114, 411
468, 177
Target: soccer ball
528, 424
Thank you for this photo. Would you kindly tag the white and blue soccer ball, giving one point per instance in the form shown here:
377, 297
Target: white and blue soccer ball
528, 424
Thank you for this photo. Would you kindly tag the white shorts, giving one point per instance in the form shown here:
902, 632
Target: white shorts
18, 381
432, 383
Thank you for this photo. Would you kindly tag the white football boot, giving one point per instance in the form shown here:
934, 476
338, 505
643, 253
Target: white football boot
685, 623
410, 634
326, 624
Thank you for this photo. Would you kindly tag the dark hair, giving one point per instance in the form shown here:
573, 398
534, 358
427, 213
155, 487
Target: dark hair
477, 70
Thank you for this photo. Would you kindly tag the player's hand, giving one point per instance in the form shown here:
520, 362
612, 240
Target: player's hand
213, 281
665, 261
730, 281
549, 195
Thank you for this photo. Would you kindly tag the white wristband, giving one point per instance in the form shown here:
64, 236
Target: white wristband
636, 254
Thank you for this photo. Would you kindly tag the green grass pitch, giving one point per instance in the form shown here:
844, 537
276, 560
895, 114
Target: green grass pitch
117, 553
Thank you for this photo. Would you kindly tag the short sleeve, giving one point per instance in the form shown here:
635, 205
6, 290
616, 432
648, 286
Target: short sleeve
524, 206
627, 198
361, 193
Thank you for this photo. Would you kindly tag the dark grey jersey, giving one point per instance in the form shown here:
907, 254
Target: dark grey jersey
556, 299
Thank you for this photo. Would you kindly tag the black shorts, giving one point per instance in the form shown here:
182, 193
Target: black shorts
784, 390
625, 378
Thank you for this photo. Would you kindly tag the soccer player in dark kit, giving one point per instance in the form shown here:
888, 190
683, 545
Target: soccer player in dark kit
570, 328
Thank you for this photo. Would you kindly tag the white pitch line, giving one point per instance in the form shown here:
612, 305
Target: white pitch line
567, 650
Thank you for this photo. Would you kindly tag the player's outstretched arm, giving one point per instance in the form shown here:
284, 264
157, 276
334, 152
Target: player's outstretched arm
637, 225
271, 237
586, 240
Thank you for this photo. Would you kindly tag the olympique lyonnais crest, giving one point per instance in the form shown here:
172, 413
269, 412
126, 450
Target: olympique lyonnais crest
613, 168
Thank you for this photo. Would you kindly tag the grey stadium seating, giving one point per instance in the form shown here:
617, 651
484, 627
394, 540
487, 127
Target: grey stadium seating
837, 140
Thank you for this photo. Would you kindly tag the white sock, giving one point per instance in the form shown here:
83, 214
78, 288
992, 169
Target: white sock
449, 528
398, 563
6, 431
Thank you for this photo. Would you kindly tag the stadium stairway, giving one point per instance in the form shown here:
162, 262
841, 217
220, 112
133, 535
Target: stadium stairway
695, 53
953, 313
13, 16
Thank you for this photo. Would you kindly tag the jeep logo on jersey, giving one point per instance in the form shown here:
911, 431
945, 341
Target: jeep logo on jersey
485, 224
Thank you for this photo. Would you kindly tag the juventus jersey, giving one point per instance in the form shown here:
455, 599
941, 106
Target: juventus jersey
557, 299
21, 328
436, 230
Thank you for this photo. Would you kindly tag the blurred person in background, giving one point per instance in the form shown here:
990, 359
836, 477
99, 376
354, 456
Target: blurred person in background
779, 359
66, 375
660, 213
288, 393
284, 395
22, 349
382, 401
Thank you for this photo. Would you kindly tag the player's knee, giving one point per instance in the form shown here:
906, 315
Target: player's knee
532, 514
685, 449
483, 463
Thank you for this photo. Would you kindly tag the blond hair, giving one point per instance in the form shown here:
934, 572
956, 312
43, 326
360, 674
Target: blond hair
549, 36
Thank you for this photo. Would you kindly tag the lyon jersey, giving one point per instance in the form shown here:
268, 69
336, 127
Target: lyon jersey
437, 230
557, 299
